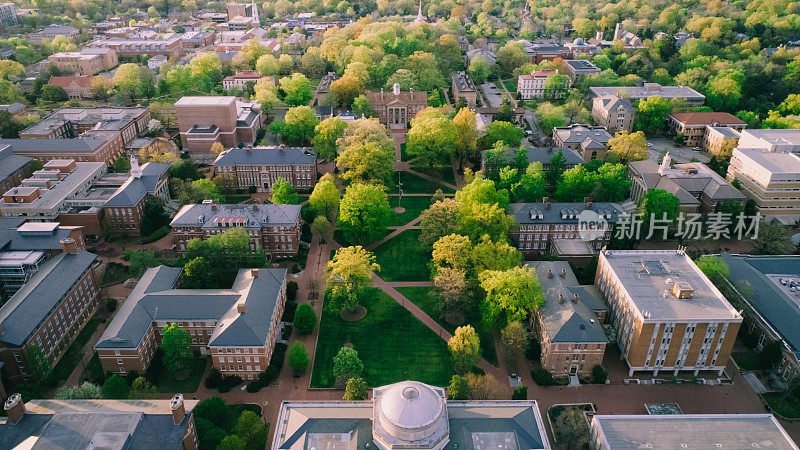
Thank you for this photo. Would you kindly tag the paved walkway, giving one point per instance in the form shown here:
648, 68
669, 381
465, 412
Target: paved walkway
389, 288
88, 353
399, 137
409, 226
428, 177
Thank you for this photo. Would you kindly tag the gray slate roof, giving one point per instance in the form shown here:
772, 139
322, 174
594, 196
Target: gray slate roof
770, 301
686, 181
10, 163
297, 156
566, 321
53, 145
23, 313
108, 424
155, 298
523, 212
134, 189
205, 215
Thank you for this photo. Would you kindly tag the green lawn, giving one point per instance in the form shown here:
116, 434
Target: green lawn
72, 356
788, 407
392, 343
413, 184
403, 258
444, 173
338, 236
511, 84
421, 297
413, 205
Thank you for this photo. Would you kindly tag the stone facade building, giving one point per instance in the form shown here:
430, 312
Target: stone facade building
771, 179
613, 113
694, 126
591, 142
86, 62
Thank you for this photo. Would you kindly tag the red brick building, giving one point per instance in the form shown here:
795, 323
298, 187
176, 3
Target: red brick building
49, 311
124, 208
262, 166
237, 327
275, 228
202, 121
13, 168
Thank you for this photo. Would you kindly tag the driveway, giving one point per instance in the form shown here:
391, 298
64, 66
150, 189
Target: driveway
678, 154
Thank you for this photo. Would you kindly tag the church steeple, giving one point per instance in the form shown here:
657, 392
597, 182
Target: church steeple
420, 17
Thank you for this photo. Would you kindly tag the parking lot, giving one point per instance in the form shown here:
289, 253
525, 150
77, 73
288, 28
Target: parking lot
678, 154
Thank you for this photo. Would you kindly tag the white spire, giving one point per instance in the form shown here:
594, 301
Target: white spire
136, 171
420, 17
665, 164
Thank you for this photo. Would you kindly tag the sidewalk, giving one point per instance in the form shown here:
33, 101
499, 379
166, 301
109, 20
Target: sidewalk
389, 288
88, 352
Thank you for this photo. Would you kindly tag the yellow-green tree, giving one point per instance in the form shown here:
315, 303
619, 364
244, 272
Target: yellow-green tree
513, 293
348, 274
627, 146
465, 346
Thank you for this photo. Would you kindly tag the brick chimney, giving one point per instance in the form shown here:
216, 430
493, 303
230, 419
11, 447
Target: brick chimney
281, 149
255, 206
15, 407
178, 409
560, 298
546, 201
68, 245
588, 202
241, 308
563, 273
549, 273
254, 272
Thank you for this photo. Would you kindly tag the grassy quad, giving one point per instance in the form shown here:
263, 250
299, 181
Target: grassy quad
403, 258
392, 343
413, 208
414, 184
421, 296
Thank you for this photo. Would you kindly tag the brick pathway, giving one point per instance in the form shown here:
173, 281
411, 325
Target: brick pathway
409, 226
389, 288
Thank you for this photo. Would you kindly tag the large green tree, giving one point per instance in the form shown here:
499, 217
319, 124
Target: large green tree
325, 197
512, 293
326, 135
177, 345
297, 89
348, 274
299, 125
363, 212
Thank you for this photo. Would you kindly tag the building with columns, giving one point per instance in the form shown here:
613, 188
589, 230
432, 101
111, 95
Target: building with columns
668, 316
397, 108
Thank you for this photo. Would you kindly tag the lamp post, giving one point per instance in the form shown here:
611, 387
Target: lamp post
399, 189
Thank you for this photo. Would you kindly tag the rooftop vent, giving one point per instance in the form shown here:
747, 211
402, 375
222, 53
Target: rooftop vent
682, 289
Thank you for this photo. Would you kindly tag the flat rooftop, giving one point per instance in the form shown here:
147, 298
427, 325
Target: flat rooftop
648, 90
61, 190
772, 161
647, 275
693, 431
205, 101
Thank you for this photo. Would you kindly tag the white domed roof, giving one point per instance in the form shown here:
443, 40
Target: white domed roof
411, 405
579, 41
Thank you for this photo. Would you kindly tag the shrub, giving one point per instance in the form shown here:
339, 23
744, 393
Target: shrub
298, 357
291, 291
520, 393
356, 389
287, 332
534, 350
458, 389
305, 318
252, 189
264, 379
542, 377
214, 379
111, 304
278, 355
288, 312
599, 375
